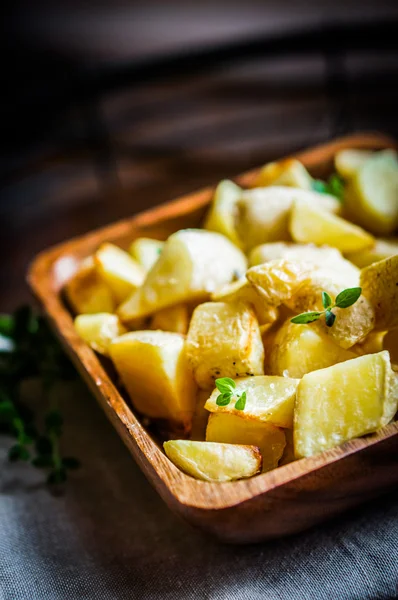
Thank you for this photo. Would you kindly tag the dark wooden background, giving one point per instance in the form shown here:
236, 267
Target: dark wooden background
110, 109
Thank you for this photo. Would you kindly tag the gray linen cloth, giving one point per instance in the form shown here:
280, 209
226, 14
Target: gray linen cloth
110, 537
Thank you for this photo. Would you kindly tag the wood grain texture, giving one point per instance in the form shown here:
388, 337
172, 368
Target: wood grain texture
284, 501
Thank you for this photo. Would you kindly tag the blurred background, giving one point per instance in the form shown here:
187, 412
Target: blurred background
112, 107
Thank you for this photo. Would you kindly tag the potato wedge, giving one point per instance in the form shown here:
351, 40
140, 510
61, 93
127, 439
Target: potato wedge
319, 256
309, 223
119, 270
242, 291
173, 318
383, 248
146, 251
372, 344
379, 284
299, 286
154, 369
348, 161
224, 340
300, 349
264, 212
268, 399
210, 461
342, 402
192, 265
371, 197
99, 330
289, 172
223, 211
87, 293
231, 429
200, 417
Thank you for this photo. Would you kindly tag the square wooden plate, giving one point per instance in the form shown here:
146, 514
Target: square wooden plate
284, 501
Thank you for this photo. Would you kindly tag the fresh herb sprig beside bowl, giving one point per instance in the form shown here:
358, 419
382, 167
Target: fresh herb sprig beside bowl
344, 299
29, 350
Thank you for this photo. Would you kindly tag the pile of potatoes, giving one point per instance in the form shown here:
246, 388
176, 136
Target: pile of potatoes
175, 316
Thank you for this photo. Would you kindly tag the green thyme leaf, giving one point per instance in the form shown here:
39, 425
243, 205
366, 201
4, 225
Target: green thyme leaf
326, 300
348, 297
18, 452
308, 317
336, 186
6, 325
319, 186
223, 399
330, 318
44, 461
241, 402
225, 385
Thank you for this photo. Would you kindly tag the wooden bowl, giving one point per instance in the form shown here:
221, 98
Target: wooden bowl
284, 501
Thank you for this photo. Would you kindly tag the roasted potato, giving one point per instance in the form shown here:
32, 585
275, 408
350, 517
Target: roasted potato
347, 162
87, 293
309, 223
99, 330
342, 402
192, 265
173, 318
299, 286
371, 197
242, 291
238, 351
268, 399
223, 211
264, 212
119, 270
289, 172
300, 349
379, 284
214, 462
146, 252
231, 429
155, 371
383, 248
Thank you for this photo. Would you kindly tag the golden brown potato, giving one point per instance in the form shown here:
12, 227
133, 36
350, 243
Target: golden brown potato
224, 340
214, 462
288, 172
288, 453
268, 399
371, 197
379, 284
231, 429
264, 212
146, 251
309, 223
242, 291
342, 402
192, 265
87, 293
299, 286
317, 255
300, 349
348, 161
223, 211
154, 369
173, 318
99, 330
119, 270
383, 248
